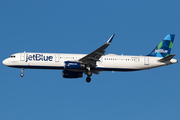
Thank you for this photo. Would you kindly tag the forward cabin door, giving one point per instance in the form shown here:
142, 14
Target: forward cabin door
22, 56
57, 57
146, 60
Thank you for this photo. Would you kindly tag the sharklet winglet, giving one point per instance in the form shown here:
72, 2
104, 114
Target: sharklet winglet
110, 39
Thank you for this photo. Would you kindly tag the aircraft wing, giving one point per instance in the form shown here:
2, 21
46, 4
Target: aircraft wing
94, 56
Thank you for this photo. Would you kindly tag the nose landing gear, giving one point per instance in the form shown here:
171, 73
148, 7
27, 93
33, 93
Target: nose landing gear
22, 73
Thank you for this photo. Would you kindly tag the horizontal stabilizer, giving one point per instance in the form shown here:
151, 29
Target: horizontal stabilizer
168, 58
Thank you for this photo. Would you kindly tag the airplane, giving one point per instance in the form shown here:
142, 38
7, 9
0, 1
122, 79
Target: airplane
74, 65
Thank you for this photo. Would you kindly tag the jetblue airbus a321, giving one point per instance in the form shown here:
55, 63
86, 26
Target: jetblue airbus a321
74, 65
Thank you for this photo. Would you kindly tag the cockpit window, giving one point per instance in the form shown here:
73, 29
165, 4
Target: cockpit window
12, 56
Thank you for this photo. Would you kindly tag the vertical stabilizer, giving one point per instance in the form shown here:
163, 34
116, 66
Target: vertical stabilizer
163, 49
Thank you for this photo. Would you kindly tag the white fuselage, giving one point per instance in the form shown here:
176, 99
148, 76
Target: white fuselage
110, 62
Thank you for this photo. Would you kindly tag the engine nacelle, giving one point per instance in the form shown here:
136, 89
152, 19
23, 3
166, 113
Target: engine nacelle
73, 65
71, 74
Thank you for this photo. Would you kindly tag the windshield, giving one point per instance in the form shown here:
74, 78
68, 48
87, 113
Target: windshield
12, 56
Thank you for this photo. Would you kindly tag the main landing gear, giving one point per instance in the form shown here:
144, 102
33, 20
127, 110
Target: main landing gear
88, 79
89, 73
22, 73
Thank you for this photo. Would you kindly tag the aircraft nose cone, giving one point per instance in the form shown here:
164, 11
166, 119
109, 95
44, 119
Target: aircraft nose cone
5, 62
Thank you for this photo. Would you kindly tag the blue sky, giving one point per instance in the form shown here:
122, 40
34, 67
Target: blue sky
80, 27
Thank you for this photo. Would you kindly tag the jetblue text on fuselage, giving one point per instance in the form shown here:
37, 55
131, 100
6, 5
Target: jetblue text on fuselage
38, 57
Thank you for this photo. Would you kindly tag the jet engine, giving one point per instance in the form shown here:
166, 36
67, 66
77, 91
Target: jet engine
72, 74
73, 65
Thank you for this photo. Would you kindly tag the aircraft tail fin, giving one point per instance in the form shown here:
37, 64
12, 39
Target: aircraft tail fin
163, 49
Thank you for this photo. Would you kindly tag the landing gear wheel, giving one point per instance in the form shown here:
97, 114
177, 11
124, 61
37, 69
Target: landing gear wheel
88, 79
21, 74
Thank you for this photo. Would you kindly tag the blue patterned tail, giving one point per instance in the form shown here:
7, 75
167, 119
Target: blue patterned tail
164, 47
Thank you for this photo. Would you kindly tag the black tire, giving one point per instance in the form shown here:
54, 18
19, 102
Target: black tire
88, 79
